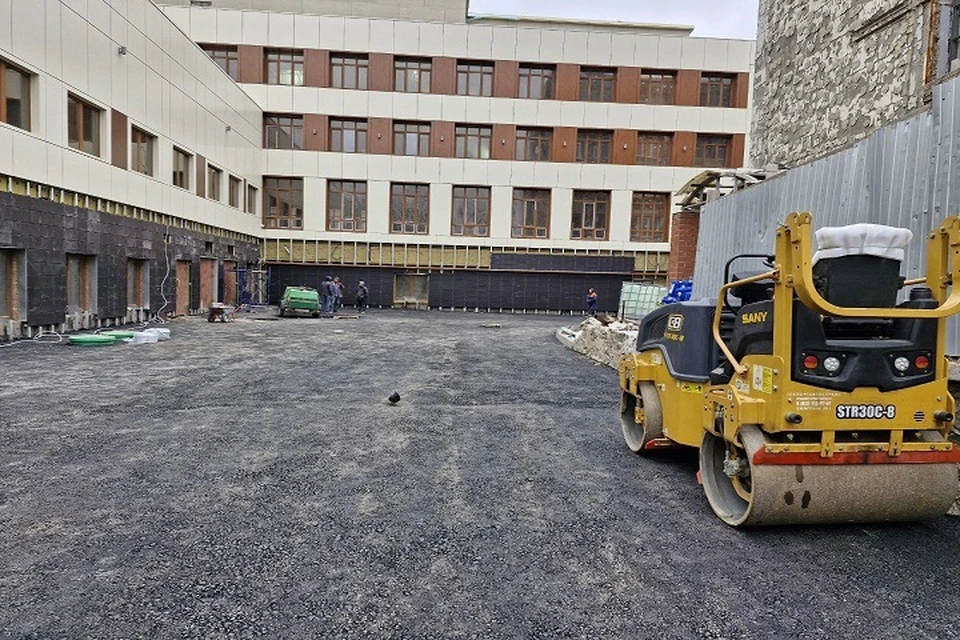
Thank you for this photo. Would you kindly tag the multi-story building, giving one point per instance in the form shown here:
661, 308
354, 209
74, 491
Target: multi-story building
477, 161
446, 160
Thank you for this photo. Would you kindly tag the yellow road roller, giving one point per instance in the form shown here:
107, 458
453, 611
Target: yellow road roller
815, 386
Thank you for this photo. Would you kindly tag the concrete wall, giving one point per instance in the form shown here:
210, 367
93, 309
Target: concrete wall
829, 72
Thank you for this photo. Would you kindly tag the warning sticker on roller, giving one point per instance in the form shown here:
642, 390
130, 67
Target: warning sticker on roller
691, 387
762, 378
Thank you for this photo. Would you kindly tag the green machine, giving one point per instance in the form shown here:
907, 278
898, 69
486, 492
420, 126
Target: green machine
300, 300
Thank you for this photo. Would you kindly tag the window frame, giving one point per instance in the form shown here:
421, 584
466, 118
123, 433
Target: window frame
277, 124
358, 193
594, 146
541, 75
600, 81
468, 136
480, 71
137, 152
422, 70
358, 66
227, 57
529, 139
659, 141
26, 82
214, 183
592, 199
76, 115
422, 136
187, 157
253, 196
277, 58
716, 90
524, 197
287, 191
712, 142
658, 87
470, 212
650, 216
338, 134
411, 215
234, 190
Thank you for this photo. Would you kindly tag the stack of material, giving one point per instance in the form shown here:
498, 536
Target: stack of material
603, 343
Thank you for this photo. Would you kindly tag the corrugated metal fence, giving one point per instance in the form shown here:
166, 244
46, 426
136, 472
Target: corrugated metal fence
904, 175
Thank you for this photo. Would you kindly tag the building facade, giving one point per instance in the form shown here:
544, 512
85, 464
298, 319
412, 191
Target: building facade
479, 162
830, 72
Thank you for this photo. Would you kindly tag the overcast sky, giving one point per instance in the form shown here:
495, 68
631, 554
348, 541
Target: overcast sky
710, 18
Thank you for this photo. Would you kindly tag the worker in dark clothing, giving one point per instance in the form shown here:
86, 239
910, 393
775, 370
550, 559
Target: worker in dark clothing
592, 301
362, 293
327, 294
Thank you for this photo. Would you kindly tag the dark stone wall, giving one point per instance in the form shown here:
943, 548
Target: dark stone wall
483, 289
48, 230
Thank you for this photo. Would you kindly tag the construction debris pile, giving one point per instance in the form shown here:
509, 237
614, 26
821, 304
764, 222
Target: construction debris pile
602, 339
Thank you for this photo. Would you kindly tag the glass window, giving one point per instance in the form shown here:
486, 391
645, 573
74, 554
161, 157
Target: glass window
531, 213
654, 148
226, 57
346, 206
251, 199
533, 144
214, 178
284, 66
283, 203
596, 84
236, 188
142, 147
471, 212
472, 141
590, 214
411, 138
658, 87
15, 93
716, 90
282, 131
348, 136
412, 75
594, 146
348, 71
649, 216
83, 125
474, 78
409, 208
181, 168
712, 150
536, 81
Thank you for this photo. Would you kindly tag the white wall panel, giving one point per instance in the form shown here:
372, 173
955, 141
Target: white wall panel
692, 54
230, 27
561, 204
599, 48
356, 33
314, 204
621, 203
332, 33
441, 201
255, 28
669, 52
378, 206
528, 44
479, 42
381, 36
504, 46
203, 26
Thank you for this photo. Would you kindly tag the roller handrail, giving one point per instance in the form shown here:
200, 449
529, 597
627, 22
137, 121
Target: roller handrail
799, 273
739, 368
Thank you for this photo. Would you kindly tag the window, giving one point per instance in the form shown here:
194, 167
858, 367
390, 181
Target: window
412, 75
236, 188
473, 142
181, 168
141, 148
348, 71
648, 218
83, 125
536, 81
474, 78
590, 209
594, 146
283, 203
226, 57
411, 138
15, 93
284, 66
654, 148
712, 151
251, 199
531, 213
715, 90
409, 208
11, 279
81, 283
657, 87
282, 132
347, 206
533, 144
953, 44
138, 287
348, 136
471, 212
596, 84
214, 178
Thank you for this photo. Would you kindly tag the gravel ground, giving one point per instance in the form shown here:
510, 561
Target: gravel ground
248, 479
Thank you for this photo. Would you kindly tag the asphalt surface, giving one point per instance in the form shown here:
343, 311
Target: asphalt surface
249, 479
